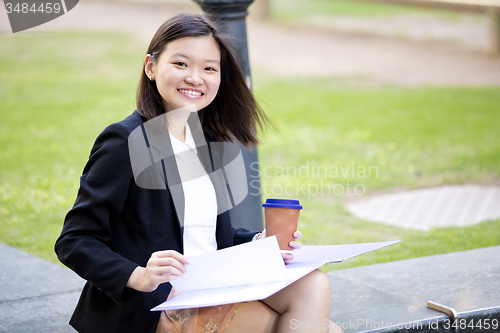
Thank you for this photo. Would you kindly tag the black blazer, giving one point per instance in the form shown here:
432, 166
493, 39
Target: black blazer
113, 227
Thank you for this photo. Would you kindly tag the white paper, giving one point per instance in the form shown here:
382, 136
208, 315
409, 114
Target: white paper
263, 275
335, 253
225, 295
249, 263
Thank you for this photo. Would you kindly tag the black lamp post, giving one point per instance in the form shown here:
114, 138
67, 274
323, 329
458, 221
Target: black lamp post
231, 15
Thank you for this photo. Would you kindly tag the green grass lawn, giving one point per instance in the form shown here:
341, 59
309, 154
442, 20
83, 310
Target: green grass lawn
410, 138
59, 90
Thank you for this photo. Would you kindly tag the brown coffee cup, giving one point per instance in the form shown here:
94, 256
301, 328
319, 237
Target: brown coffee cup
282, 218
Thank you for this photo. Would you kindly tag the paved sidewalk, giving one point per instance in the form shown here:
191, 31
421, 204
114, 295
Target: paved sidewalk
35, 295
279, 50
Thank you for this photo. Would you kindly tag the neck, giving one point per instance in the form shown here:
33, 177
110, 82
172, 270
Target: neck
177, 120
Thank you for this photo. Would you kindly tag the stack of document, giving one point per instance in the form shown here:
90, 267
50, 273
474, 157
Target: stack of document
252, 271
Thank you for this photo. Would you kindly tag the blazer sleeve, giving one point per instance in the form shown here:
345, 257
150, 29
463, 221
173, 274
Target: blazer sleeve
83, 245
242, 235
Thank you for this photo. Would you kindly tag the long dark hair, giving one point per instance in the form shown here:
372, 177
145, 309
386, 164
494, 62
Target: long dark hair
234, 113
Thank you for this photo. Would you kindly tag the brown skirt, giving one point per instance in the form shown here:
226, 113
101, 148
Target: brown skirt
208, 319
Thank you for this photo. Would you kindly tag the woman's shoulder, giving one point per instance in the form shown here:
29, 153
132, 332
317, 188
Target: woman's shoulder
127, 125
122, 128
114, 138
111, 147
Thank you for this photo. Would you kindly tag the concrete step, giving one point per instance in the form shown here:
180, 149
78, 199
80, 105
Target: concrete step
391, 297
378, 298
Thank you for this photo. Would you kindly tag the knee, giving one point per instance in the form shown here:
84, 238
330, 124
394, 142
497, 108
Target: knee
320, 280
319, 285
312, 293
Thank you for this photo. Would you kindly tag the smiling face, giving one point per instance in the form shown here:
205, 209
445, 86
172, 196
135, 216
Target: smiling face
187, 72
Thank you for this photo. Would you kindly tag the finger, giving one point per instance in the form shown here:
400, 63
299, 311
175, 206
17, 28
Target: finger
297, 234
173, 292
168, 270
288, 258
164, 278
166, 262
155, 262
295, 245
172, 254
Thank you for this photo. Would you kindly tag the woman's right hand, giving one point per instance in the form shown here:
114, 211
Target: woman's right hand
163, 266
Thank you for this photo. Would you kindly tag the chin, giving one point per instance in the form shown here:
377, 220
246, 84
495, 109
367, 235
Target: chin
197, 106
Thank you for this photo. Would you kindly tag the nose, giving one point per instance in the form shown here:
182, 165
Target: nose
194, 78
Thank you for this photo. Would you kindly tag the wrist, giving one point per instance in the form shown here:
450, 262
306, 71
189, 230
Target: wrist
134, 281
256, 236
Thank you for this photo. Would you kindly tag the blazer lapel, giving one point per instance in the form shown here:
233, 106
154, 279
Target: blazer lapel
211, 156
155, 166
161, 171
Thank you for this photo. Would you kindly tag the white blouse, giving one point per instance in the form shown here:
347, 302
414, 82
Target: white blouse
200, 210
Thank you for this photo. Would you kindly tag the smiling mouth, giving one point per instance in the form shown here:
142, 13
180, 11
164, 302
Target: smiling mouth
190, 92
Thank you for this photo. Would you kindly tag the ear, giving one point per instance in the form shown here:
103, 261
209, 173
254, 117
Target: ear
148, 66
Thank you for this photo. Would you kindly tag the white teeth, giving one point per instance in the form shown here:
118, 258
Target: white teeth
190, 92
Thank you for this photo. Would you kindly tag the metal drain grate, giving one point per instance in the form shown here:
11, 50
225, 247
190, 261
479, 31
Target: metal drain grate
423, 209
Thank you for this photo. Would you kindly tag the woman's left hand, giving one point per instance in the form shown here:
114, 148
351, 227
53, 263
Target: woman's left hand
288, 257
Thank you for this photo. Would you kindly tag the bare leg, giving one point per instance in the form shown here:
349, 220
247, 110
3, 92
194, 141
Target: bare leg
303, 306
254, 317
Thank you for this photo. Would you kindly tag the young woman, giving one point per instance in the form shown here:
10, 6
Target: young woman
128, 241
